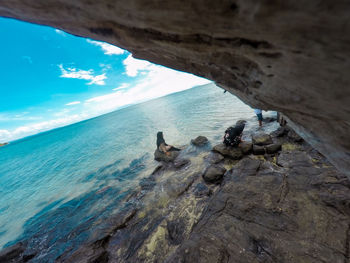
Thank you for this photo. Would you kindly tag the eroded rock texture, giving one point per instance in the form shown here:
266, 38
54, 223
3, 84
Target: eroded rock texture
290, 56
292, 206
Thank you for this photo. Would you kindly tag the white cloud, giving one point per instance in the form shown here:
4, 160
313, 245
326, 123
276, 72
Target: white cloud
4, 135
83, 74
18, 117
122, 86
156, 81
23, 131
153, 81
107, 48
73, 103
134, 66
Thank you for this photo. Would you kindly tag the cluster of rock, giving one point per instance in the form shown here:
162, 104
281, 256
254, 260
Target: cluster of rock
291, 208
263, 143
171, 156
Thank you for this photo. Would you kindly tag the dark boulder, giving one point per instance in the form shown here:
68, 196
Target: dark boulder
214, 157
228, 151
258, 150
214, 174
199, 141
162, 157
246, 147
261, 139
273, 148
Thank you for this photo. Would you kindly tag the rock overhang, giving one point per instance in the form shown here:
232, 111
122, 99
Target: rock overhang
288, 56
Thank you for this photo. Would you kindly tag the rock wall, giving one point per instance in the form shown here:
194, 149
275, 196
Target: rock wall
284, 55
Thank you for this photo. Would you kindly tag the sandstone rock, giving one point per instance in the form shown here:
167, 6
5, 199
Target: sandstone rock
267, 218
261, 139
246, 147
273, 148
296, 158
199, 141
214, 174
228, 151
160, 156
258, 150
214, 157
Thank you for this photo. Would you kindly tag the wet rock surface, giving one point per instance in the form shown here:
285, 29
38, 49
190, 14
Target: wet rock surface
214, 157
214, 174
162, 157
228, 151
291, 206
200, 141
261, 139
246, 147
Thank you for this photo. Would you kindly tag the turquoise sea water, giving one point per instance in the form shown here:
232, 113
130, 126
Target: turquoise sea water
56, 187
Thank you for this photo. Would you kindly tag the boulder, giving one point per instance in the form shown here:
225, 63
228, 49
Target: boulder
228, 151
258, 149
214, 157
273, 148
162, 157
214, 174
261, 139
199, 141
246, 147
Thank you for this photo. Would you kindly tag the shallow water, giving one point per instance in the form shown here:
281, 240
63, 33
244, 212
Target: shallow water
58, 186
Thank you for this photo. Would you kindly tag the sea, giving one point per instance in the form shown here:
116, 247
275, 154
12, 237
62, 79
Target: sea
58, 186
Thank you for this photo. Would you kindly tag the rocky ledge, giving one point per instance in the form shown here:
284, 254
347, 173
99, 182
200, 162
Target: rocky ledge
213, 206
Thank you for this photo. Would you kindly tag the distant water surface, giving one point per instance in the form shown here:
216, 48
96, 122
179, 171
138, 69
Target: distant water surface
78, 175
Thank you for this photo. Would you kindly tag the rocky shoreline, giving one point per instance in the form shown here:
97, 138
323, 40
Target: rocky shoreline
274, 199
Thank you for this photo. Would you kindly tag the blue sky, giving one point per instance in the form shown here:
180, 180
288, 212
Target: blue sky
50, 79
